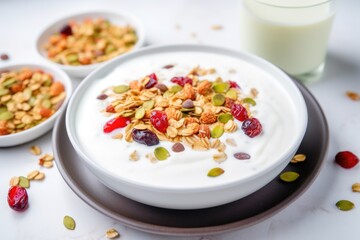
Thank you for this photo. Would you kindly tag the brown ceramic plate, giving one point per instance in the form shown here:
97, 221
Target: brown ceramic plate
239, 214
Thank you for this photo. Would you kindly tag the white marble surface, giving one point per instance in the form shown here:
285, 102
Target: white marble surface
312, 216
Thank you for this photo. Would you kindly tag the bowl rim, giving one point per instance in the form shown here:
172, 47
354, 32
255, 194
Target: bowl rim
48, 69
111, 65
128, 17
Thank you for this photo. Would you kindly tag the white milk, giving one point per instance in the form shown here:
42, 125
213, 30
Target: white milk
187, 169
293, 38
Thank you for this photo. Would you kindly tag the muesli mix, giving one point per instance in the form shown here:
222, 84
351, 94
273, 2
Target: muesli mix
27, 98
91, 41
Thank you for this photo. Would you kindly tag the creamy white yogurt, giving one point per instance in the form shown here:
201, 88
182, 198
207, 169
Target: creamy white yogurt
188, 169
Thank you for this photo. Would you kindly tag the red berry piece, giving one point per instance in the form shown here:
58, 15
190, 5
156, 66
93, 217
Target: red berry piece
152, 82
17, 198
251, 127
159, 120
181, 80
239, 112
66, 30
146, 137
346, 159
233, 84
116, 123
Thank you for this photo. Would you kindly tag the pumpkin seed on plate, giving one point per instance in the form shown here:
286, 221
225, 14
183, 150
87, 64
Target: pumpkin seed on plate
345, 205
161, 153
121, 88
221, 87
289, 176
24, 182
175, 89
215, 172
232, 93
6, 115
69, 222
149, 104
3, 91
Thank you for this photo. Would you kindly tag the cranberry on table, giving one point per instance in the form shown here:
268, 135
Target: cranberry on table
145, 136
181, 80
251, 127
66, 30
346, 159
116, 123
239, 112
17, 198
159, 120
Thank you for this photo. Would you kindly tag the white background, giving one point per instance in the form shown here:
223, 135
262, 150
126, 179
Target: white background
312, 216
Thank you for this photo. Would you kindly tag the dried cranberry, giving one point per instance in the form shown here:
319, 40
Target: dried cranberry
66, 30
152, 82
233, 84
146, 137
17, 198
181, 80
251, 127
159, 120
116, 123
346, 159
239, 112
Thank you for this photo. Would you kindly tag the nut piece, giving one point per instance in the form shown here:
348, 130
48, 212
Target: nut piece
14, 181
112, 234
220, 157
208, 117
356, 187
298, 158
134, 156
33, 174
204, 131
231, 142
204, 87
35, 150
189, 92
47, 158
48, 164
40, 176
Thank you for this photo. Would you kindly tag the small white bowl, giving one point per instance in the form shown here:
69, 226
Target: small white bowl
191, 196
42, 128
116, 18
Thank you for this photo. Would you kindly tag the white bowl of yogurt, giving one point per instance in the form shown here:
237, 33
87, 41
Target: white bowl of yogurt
182, 181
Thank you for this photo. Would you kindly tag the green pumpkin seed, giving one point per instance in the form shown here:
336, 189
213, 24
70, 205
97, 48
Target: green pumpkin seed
232, 94
69, 222
175, 89
3, 109
121, 88
221, 87
6, 115
24, 182
32, 101
109, 49
128, 114
8, 83
249, 101
215, 172
225, 117
218, 100
21, 125
345, 205
161, 153
185, 110
140, 113
217, 131
3, 91
149, 104
27, 93
289, 176
168, 94
72, 57
46, 103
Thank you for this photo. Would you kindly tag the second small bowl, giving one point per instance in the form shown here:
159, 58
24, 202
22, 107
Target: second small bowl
116, 18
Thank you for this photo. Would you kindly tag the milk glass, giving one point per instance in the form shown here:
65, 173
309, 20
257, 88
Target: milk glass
292, 34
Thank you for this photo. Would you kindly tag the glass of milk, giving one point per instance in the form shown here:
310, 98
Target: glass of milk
292, 34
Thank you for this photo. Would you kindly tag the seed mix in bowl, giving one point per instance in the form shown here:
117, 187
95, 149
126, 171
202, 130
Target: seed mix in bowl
27, 98
90, 41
